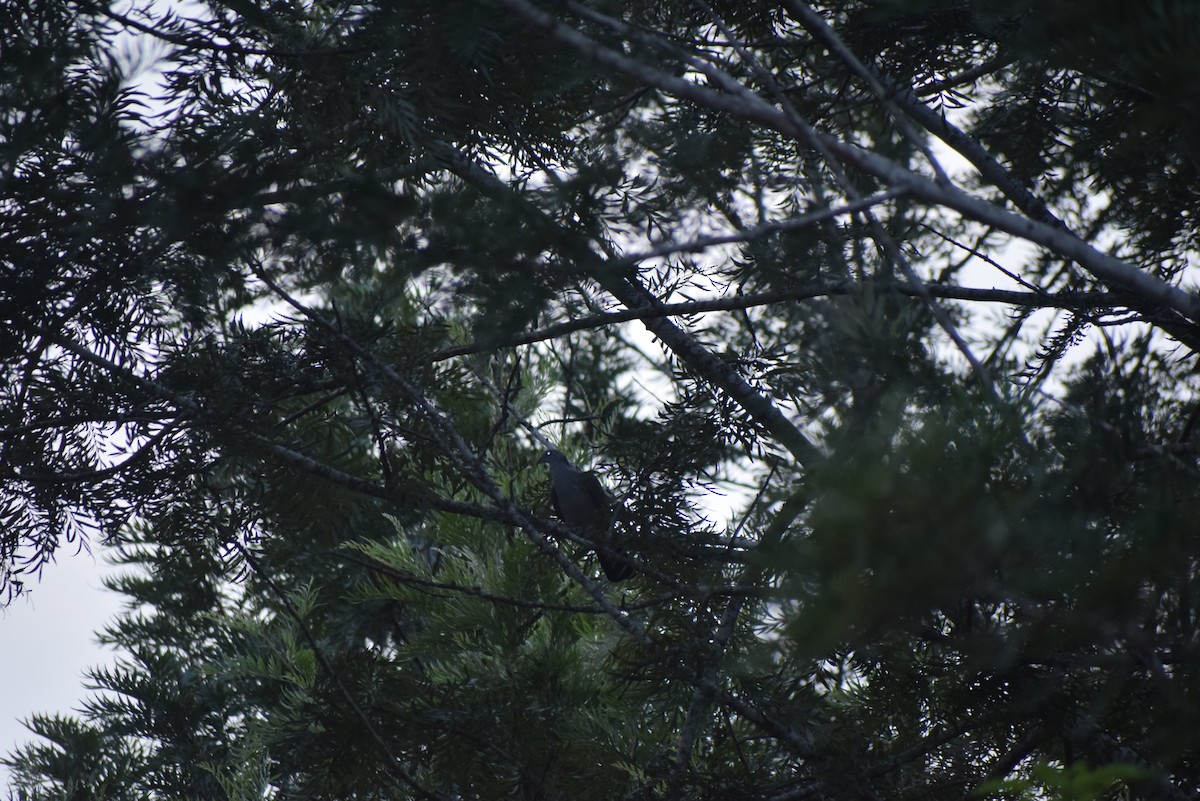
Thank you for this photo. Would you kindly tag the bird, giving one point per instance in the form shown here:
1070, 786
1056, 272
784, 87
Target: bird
581, 502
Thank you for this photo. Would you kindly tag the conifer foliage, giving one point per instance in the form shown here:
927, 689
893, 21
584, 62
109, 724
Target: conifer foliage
873, 316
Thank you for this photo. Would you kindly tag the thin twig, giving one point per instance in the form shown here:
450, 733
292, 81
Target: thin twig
1038, 300
450, 588
759, 231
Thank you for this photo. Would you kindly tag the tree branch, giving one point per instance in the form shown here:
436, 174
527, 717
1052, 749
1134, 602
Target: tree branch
1041, 231
1034, 300
630, 292
475, 472
425, 584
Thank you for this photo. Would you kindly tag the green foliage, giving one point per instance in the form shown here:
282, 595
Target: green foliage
1076, 783
289, 318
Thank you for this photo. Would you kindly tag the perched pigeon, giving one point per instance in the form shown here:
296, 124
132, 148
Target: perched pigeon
581, 502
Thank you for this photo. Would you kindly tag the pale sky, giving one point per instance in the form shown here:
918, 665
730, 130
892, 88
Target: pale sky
47, 641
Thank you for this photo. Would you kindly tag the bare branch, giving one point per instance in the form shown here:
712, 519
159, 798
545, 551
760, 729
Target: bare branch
1032, 300
140, 455
629, 291
759, 231
1107, 268
448, 588
966, 76
817, 26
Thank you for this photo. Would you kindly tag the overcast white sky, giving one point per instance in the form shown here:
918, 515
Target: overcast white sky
47, 641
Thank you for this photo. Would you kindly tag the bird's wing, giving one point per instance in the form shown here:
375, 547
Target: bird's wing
596, 493
615, 569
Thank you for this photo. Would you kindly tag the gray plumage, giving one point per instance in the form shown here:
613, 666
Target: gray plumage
580, 501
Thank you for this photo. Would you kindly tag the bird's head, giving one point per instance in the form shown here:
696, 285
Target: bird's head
554, 458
